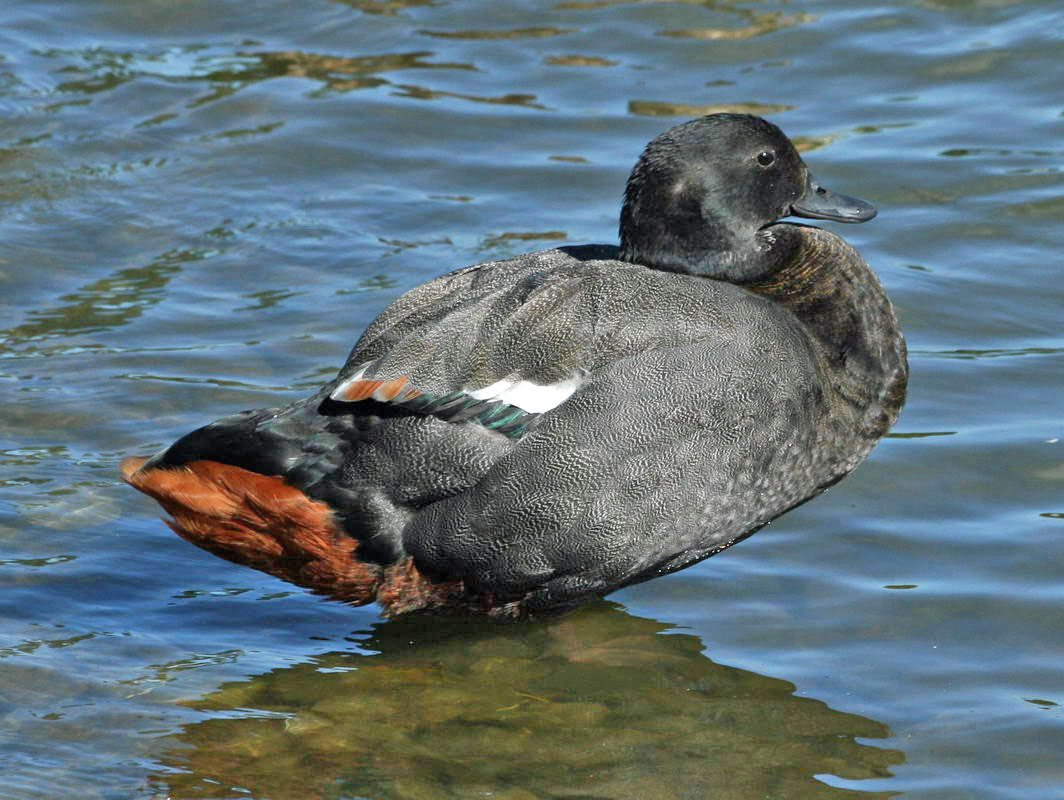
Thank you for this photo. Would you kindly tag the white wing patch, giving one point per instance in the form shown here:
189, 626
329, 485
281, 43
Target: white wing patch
528, 396
534, 398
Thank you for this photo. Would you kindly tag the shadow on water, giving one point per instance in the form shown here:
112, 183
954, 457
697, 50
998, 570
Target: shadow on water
597, 704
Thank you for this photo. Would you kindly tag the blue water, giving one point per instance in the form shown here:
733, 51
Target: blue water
204, 203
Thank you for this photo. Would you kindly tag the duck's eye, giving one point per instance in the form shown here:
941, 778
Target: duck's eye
765, 158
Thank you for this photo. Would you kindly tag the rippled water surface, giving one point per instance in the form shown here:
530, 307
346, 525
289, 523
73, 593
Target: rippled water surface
204, 203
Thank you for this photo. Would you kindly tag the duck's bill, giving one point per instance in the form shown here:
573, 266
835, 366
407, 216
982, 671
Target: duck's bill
821, 203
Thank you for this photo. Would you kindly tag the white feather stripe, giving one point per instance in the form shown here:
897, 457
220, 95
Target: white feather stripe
534, 398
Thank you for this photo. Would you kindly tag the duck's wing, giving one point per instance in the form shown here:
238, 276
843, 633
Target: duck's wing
497, 344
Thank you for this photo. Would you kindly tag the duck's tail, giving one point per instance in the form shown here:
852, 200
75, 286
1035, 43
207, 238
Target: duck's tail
260, 521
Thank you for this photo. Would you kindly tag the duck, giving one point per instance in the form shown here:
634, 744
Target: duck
517, 437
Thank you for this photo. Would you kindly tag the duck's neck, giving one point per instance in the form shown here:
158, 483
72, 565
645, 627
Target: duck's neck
827, 285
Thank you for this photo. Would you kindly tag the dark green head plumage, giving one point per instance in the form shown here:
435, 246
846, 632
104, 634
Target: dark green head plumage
704, 194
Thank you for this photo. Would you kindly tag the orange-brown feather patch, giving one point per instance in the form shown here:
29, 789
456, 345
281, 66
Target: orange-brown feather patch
385, 391
405, 588
388, 390
260, 521
359, 390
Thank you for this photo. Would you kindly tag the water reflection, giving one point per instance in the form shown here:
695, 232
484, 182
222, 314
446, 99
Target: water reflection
224, 71
492, 35
580, 61
760, 24
105, 303
512, 241
422, 93
346, 73
389, 8
654, 108
596, 704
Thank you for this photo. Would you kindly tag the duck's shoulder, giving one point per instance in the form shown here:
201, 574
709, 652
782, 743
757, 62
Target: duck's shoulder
475, 289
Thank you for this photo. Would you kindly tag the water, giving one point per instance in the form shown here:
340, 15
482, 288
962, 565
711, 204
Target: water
203, 204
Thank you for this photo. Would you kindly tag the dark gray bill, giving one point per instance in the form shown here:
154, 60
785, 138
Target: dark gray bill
820, 203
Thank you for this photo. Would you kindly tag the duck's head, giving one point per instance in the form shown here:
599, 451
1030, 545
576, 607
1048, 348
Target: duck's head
704, 196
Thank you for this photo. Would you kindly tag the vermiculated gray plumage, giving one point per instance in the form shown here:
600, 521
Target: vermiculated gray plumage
552, 427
